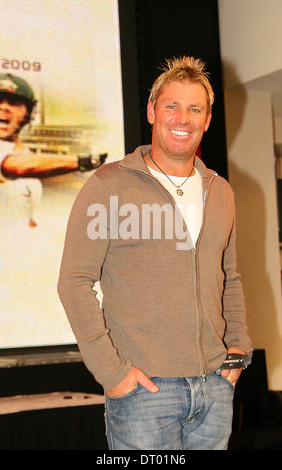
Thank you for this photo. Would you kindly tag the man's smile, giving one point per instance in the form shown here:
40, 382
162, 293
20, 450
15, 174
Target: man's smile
178, 132
4, 122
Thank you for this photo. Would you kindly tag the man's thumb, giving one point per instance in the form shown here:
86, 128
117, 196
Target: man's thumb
147, 383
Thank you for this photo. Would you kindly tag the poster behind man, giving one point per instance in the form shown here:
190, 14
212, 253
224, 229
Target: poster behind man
68, 52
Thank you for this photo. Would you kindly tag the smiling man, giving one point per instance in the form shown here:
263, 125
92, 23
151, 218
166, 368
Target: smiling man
16, 105
17, 102
20, 168
21, 196
169, 315
180, 117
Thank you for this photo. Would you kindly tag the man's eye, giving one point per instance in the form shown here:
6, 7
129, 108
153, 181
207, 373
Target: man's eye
195, 110
171, 106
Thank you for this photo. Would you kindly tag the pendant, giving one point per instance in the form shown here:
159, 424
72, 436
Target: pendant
180, 192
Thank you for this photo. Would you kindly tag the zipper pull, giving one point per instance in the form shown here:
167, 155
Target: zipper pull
204, 377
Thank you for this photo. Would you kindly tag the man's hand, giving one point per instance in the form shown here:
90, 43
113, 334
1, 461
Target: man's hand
233, 374
134, 377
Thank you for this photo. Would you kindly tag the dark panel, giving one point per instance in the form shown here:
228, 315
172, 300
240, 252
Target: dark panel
76, 428
130, 79
47, 378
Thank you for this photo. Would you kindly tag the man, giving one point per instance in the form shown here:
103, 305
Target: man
17, 102
21, 169
173, 305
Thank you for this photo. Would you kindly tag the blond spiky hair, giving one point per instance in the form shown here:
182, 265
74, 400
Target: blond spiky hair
181, 69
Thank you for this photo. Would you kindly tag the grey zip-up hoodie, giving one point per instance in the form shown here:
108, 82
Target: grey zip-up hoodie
169, 308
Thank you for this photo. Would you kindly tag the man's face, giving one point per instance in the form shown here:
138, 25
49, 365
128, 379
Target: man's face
179, 119
12, 114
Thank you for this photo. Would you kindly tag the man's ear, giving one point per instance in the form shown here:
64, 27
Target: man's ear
208, 121
150, 113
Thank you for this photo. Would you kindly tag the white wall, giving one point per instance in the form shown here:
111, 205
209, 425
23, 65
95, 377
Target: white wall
252, 176
250, 32
251, 45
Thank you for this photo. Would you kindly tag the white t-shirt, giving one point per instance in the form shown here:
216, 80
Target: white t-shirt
6, 148
190, 203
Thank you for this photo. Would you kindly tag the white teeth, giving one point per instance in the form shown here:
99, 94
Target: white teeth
179, 132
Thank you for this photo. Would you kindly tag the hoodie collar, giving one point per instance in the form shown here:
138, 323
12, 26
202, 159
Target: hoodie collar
135, 161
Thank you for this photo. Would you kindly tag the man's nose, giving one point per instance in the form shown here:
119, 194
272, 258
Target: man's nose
183, 116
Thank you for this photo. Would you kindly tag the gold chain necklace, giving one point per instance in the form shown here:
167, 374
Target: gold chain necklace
179, 191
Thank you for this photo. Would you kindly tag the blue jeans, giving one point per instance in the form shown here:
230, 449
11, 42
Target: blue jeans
185, 414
